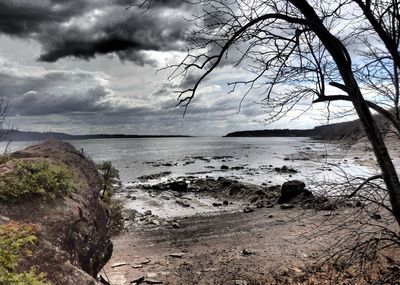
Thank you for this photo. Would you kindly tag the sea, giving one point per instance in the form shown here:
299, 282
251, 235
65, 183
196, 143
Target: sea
249, 159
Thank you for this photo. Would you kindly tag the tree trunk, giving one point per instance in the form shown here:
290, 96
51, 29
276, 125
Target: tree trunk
389, 173
343, 62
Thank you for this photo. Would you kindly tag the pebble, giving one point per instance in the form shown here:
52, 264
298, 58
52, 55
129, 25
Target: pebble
144, 261
153, 281
175, 225
118, 264
137, 266
287, 206
177, 254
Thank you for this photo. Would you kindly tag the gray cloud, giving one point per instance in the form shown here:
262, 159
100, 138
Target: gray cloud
33, 103
86, 28
108, 97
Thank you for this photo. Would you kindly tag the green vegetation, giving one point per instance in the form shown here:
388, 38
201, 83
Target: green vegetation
36, 178
15, 241
110, 179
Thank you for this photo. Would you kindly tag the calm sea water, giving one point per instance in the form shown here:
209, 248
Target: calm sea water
204, 156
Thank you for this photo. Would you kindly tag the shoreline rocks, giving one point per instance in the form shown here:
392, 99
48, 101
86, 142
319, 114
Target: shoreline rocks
293, 192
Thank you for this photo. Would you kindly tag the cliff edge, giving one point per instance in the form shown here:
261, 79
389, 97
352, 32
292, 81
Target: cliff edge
54, 229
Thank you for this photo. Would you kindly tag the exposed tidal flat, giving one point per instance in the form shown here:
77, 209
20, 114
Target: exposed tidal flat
266, 161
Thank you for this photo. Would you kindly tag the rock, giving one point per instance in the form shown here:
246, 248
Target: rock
269, 205
183, 203
144, 261
237, 168
296, 269
116, 278
176, 194
147, 213
160, 187
154, 176
260, 193
293, 192
285, 169
152, 275
131, 197
224, 167
73, 229
175, 225
225, 203
253, 199
248, 209
177, 254
217, 204
118, 264
130, 214
137, 266
179, 186
287, 206
138, 279
260, 204
245, 252
225, 182
153, 281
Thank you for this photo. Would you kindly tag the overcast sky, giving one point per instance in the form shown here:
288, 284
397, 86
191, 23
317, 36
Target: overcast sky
89, 66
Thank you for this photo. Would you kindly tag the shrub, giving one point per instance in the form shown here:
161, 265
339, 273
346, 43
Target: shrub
110, 180
36, 178
15, 241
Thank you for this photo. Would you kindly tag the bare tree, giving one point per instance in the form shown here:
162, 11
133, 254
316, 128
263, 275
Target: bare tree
301, 51
6, 130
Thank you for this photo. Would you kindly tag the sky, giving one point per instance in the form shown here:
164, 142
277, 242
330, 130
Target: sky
93, 66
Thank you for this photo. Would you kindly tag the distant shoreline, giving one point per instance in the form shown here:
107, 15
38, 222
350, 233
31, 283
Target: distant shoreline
14, 135
346, 130
274, 133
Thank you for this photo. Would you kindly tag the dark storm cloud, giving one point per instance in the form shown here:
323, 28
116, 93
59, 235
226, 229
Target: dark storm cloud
87, 28
25, 17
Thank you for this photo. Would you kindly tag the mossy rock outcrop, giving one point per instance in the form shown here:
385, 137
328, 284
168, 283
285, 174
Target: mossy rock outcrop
53, 189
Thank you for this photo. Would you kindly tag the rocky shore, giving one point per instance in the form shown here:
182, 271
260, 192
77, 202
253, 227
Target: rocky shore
232, 233
200, 228
207, 229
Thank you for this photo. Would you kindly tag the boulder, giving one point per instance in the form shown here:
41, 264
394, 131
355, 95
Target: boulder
179, 186
293, 192
285, 169
72, 229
